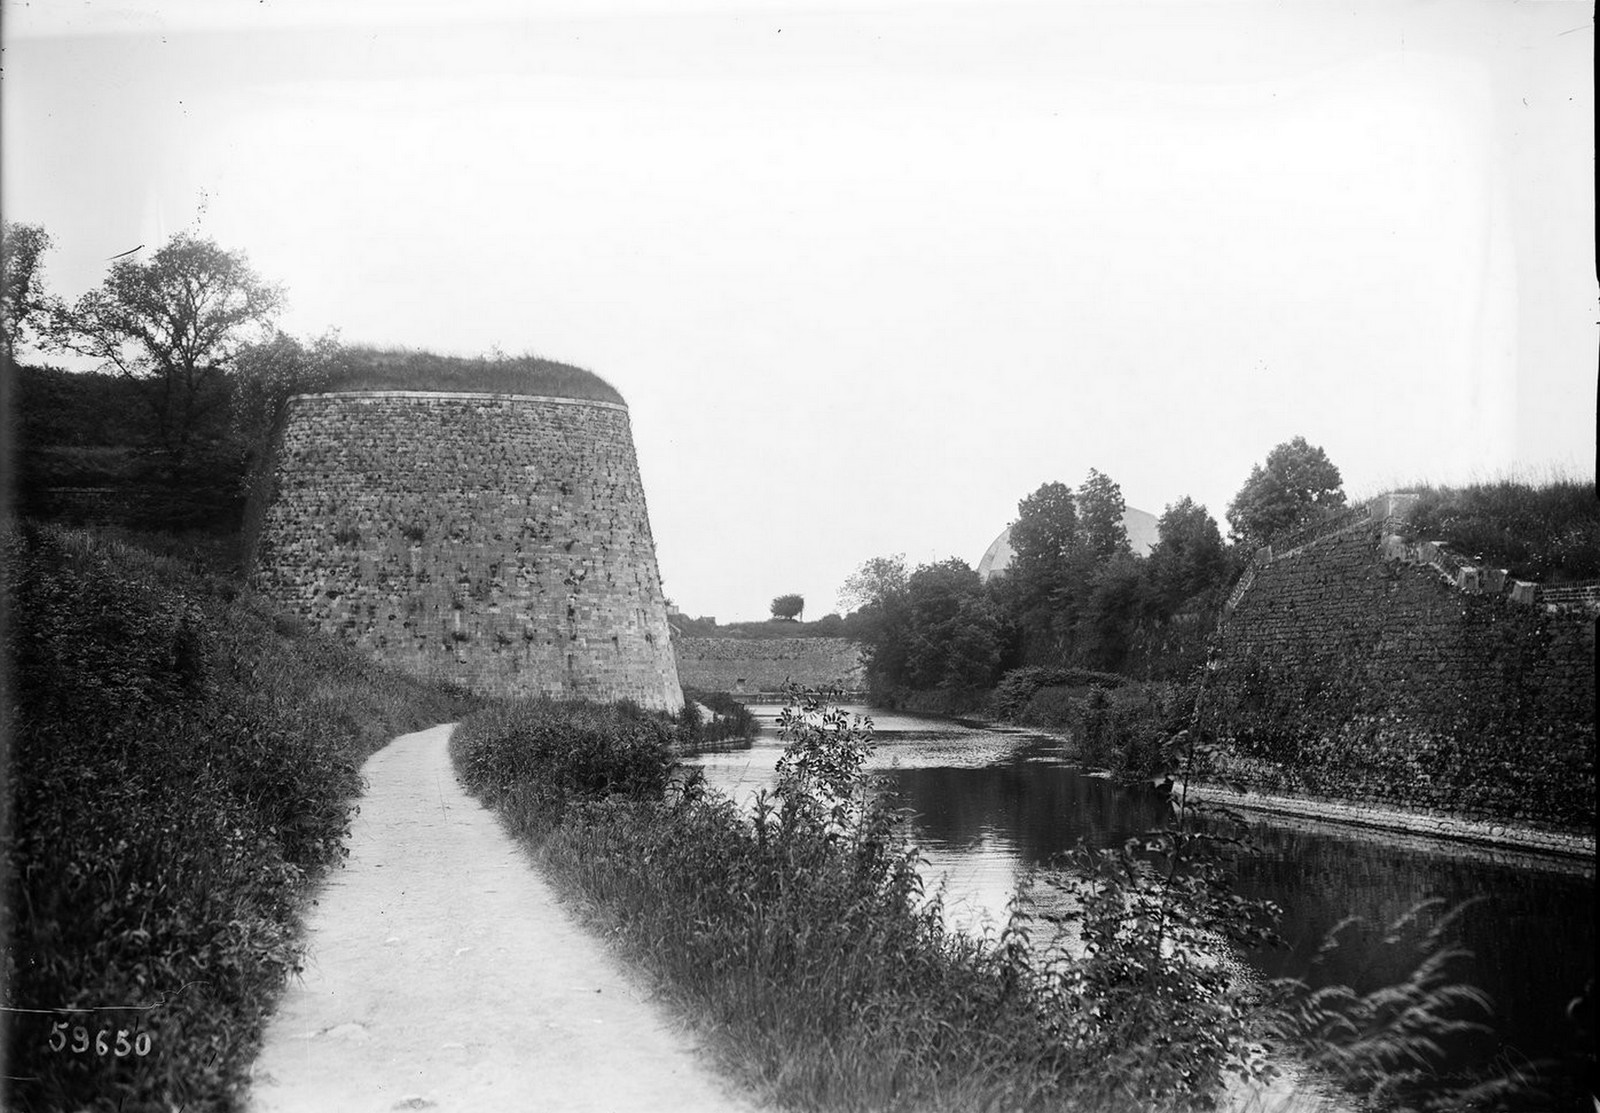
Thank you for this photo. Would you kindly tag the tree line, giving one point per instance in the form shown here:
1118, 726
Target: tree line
1076, 596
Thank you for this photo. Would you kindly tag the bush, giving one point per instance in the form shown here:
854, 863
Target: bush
183, 774
732, 719
535, 757
1548, 532
1016, 689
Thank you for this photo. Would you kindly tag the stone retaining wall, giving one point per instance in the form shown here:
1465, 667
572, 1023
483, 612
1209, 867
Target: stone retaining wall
744, 665
1361, 666
499, 541
1570, 845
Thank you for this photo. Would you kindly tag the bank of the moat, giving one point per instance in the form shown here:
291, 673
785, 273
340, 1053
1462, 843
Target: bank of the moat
1354, 813
993, 808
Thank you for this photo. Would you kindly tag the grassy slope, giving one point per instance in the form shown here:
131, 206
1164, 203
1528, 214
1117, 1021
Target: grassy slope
1548, 531
183, 765
361, 368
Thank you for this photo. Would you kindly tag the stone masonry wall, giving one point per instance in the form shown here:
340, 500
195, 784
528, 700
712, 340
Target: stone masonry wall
499, 541
1354, 669
764, 664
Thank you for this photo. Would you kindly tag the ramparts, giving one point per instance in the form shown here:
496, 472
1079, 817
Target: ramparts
754, 665
1358, 665
497, 540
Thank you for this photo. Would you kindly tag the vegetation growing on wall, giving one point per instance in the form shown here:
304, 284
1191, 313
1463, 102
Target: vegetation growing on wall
183, 765
1547, 532
373, 368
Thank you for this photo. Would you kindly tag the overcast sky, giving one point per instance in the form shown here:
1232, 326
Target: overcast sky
868, 274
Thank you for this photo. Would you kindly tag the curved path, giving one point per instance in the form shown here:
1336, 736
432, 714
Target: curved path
443, 974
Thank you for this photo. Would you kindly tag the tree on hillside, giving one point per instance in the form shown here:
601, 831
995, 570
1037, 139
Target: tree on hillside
788, 607
176, 323
23, 302
1189, 558
1297, 485
876, 581
1100, 511
1045, 533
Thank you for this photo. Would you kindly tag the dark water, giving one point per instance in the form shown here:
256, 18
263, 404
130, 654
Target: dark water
992, 805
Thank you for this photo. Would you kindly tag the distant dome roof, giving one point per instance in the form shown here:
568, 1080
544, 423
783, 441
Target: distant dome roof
1142, 537
362, 368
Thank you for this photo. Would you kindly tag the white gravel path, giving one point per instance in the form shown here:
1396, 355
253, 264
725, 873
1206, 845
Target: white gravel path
443, 974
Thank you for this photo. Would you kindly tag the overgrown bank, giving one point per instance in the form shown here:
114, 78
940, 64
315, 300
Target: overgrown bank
183, 765
798, 937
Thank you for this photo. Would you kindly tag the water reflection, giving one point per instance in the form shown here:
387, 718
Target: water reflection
990, 805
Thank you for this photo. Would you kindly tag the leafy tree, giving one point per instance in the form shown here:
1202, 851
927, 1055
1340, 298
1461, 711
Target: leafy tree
1045, 533
23, 302
267, 373
954, 632
788, 607
177, 323
1101, 531
877, 580
1297, 485
1045, 539
877, 590
1115, 600
1189, 558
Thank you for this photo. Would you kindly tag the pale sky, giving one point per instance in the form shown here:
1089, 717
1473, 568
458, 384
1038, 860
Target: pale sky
868, 274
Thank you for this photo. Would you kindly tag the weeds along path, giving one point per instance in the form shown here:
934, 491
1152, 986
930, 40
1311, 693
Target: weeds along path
443, 974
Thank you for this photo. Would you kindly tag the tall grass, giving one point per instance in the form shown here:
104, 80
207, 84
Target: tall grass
183, 767
798, 936
1546, 530
365, 368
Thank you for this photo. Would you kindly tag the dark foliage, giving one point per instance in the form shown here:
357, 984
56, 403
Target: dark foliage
787, 608
1548, 533
183, 767
732, 719
1297, 485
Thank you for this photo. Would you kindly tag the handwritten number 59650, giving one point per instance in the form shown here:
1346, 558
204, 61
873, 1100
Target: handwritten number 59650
80, 1042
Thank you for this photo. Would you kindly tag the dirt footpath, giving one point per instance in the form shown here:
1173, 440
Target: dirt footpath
442, 974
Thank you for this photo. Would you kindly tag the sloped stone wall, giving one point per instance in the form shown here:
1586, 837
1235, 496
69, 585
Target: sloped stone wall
1353, 668
743, 665
499, 541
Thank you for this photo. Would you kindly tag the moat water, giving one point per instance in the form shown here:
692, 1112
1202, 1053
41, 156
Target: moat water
992, 805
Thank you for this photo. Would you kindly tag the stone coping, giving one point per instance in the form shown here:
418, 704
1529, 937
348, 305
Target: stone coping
468, 395
1394, 819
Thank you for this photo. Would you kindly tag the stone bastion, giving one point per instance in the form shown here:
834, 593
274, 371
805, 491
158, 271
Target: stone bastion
499, 541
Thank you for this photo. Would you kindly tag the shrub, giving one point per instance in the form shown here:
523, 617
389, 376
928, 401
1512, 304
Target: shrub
1548, 532
535, 757
731, 719
1016, 689
183, 772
